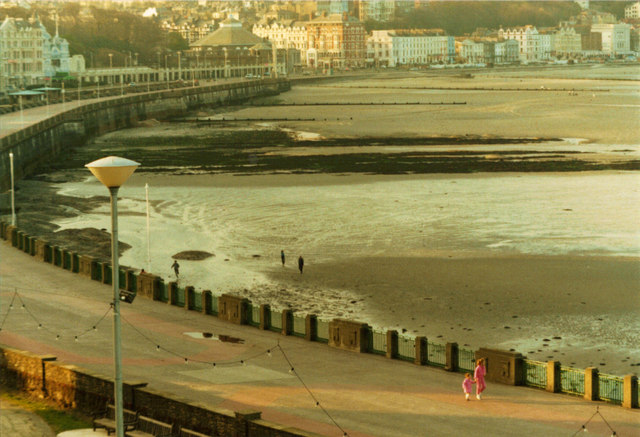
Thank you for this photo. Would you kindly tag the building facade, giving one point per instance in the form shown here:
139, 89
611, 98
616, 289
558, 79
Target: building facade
529, 40
285, 34
336, 41
632, 11
616, 38
377, 10
392, 48
567, 41
489, 51
28, 53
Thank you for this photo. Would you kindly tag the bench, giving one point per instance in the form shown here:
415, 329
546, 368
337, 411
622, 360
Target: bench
184, 432
148, 427
107, 419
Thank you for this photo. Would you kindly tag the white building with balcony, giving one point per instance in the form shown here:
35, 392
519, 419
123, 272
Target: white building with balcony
530, 42
285, 34
409, 47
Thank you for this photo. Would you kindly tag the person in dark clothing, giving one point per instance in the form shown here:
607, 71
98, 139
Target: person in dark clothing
300, 263
176, 267
282, 257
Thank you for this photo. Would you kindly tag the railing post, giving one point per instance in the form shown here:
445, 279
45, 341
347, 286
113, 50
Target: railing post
206, 299
265, 313
189, 294
287, 322
591, 384
452, 357
173, 293
553, 377
421, 351
311, 327
630, 396
392, 344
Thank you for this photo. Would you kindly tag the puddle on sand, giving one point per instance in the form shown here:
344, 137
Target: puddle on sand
211, 336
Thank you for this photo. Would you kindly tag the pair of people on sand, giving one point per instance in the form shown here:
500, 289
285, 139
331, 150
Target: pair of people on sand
300, 261
478, 379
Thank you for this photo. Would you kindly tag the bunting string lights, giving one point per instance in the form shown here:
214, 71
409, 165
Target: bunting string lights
16, 300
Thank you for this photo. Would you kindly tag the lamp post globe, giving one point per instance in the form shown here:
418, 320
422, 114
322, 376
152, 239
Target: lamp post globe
112, 172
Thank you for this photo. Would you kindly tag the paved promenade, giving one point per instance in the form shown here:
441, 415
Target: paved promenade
366, 395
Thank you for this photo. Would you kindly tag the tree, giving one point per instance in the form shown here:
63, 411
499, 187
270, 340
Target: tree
175, 42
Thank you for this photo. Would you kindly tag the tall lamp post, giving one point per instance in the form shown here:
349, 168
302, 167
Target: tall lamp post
113, 171
13, 201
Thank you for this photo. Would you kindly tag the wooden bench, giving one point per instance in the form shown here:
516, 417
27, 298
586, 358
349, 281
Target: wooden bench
107, 419
148, 427
184, 432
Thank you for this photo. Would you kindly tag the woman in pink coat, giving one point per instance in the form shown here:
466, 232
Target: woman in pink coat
478, 375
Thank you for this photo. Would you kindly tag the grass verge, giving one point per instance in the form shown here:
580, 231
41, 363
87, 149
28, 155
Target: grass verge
59, 420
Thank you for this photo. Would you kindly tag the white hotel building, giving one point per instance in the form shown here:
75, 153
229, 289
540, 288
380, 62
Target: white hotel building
533, 46
409, 47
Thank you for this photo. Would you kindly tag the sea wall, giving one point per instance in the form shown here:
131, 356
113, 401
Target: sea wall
53, 135
72, 387
506, 367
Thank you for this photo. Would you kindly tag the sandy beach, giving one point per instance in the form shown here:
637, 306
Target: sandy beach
566, 290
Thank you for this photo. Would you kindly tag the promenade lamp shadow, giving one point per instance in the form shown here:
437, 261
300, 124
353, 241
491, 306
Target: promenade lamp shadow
113, 171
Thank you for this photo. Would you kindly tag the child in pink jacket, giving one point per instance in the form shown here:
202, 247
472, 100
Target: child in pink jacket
466, 385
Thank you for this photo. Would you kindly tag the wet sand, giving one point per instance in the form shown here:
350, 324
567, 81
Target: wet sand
585, 307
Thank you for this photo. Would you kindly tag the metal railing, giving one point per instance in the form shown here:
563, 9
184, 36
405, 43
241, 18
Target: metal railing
436, 354
323, 331
406, 348
197, 300
466, 360
535, 373
571, 380
275, 320
378, 342
610, 388
253, 315
299, 326
164, 292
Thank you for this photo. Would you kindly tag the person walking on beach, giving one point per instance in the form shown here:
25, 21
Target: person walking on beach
282, 257
176, 267
466, 385
300, 263
478, 375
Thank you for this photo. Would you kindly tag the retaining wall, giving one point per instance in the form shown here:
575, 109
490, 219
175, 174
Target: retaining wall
41, 141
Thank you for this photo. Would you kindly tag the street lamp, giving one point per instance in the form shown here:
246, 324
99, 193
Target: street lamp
13, 201
113, 171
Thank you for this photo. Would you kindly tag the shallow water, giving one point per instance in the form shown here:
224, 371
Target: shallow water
348, 216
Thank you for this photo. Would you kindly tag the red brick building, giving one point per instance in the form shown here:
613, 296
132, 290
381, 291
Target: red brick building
336, 41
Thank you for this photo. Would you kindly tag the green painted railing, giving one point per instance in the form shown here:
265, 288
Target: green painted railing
572, 380
466, 360
275, 320
253, 315
197, 300
378, 342
323, 331
436, 354
535, 373
611, 388
406, 348
299, 326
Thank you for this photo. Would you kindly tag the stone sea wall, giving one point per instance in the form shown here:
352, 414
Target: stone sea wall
46, 139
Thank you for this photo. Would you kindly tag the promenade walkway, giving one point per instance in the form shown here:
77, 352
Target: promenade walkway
366, 395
